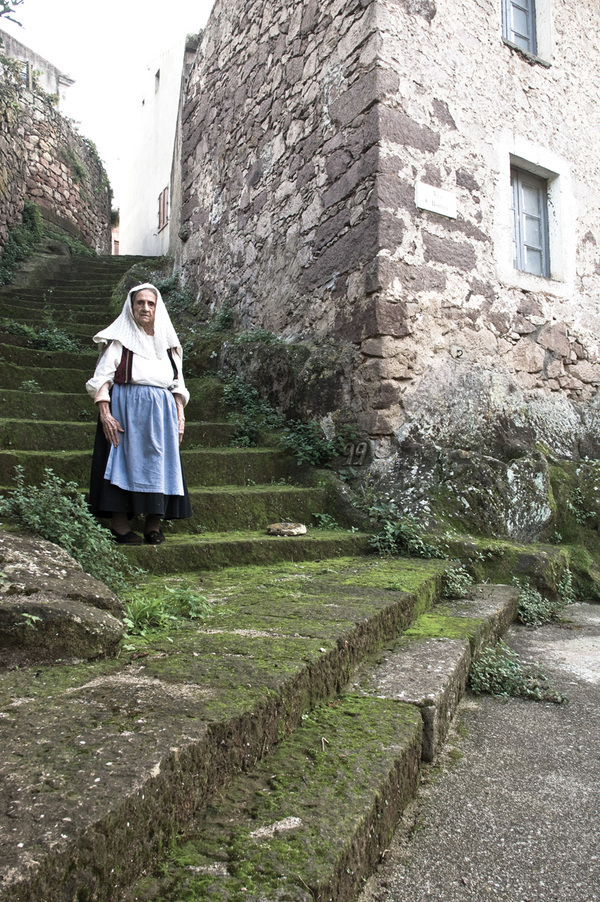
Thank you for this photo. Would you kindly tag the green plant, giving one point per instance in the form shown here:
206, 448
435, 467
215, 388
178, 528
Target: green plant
177, 298
399, 535
533, 609
456, 582
57, 511
69, 156
325, 521
43, 338
166, 609
309, 444
21, 240
30, 385
256, 334
576, 504
566, 587
498, 671
223, 320
250, 413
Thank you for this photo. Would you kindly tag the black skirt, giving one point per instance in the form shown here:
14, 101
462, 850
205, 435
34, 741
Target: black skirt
106, 499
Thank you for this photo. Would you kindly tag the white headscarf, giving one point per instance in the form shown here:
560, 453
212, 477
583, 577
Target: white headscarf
126, 330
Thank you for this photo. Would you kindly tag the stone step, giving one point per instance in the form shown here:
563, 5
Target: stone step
105, 762
313, 819
205, 401
225, 466
19, 354
40, 316
207, 550
48, 435
50, 378
430, 665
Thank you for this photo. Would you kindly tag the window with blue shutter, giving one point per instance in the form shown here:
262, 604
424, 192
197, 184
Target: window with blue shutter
530, 223
518, 24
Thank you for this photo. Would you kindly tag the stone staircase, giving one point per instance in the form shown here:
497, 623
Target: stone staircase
281, 738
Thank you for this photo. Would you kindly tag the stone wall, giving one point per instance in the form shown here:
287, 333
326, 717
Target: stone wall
307, 126
43, 159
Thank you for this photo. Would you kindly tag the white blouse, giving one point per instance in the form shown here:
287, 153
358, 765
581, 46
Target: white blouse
145, 371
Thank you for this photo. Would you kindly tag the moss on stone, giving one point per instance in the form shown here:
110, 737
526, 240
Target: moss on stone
343, 777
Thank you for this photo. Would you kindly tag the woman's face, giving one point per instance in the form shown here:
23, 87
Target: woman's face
144, 310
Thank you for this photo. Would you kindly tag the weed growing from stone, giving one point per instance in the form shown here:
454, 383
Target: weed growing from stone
399, 535
177, 299
499, 671
325, 521
456, 582
57, 511
168, 609
249, 413
257, 334
30, 385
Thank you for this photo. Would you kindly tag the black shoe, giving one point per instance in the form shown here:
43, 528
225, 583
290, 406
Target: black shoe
154, 537
127, 538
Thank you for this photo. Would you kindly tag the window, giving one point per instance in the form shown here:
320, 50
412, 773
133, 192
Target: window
163, 209
519, 24
156, 81
530, 223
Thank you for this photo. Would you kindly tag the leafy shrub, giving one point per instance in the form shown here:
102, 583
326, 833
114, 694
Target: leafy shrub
534, 610
43, 338
498, 671
399, 535
325, 521
57, 511
30, 385
456, 582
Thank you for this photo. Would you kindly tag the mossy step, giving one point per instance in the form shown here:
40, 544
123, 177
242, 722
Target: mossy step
225, 466
204, 403
82, 329
209, 551
49, 378
30, 305
48, 435
224, 508
129, 749
21, 355
308, 823
430, 665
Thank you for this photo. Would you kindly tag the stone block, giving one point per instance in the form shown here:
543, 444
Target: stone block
372, 87
457, 255
555, 338
397, 127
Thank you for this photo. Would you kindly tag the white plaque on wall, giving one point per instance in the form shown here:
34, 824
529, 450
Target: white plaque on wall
435, 199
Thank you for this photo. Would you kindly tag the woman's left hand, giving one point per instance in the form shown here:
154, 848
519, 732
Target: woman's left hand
180, 417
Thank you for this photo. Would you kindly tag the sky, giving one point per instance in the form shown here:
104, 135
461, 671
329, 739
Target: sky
105, 46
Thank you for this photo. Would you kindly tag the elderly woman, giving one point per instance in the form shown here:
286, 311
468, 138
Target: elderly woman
140, 394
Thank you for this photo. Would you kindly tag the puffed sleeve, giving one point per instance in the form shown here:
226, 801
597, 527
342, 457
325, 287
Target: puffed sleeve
178, 385
105, 370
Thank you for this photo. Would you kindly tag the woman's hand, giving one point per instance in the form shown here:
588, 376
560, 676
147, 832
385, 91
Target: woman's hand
180, 417
110, 426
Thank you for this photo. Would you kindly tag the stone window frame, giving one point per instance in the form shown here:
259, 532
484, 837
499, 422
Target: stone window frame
513, 152
541, 35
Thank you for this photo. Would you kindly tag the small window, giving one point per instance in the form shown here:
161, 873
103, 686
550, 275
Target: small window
519, 24
163, 209
530, 223
156, 81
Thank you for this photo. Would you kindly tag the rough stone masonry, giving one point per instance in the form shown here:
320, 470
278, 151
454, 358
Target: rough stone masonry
306, 129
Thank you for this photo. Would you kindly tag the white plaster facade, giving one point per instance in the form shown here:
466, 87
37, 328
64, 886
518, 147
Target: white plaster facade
50, 79
145, 202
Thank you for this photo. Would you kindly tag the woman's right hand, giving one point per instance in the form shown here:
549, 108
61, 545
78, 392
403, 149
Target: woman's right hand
110, 426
